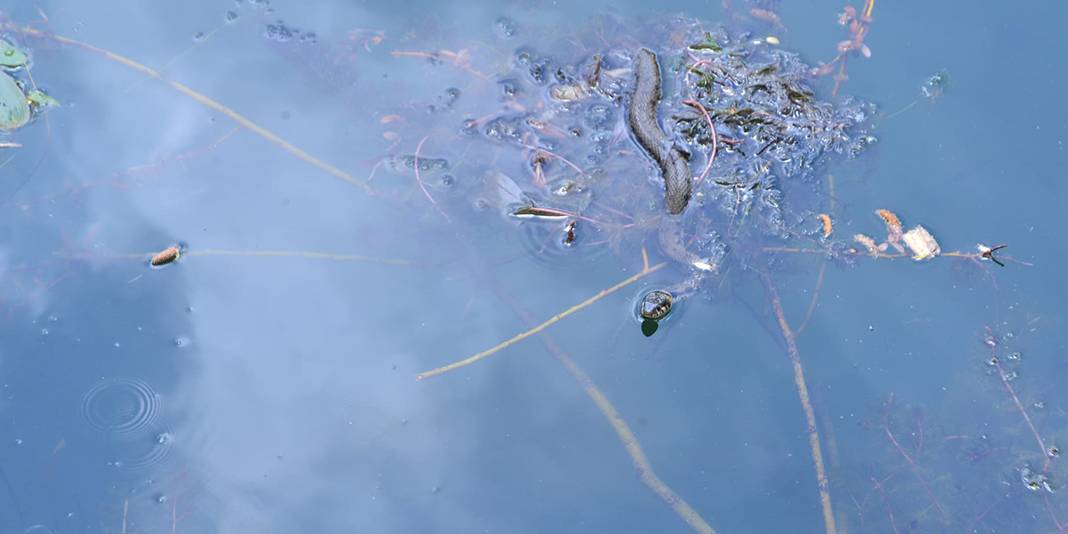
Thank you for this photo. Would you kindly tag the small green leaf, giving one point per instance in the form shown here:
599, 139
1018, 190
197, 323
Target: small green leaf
40, 99
10, 56
649, 327
708, 44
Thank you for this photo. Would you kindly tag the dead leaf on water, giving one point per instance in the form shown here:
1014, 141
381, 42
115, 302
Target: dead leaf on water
921, 243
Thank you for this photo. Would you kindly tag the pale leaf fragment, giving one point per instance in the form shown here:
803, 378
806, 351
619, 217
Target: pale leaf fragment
921, 243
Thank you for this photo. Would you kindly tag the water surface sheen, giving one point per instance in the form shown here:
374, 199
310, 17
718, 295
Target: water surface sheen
342, 215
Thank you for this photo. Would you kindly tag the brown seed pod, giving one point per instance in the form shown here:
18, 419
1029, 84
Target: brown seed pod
891, 220
828, 226
166, 256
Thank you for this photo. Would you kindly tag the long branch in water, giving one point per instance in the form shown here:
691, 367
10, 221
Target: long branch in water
203, 100
551, 321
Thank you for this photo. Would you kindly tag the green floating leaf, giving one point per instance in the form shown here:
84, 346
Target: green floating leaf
10, 56
649, 327
40, 99
708, 44
14, 107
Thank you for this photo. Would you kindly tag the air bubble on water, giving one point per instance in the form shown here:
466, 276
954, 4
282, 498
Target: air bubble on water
993, 361
53, 318
1039, 405
435, 489
1010, 376
199, 37
45, 332
1036, 481
164, 437
1014, 356
161, 498
181, 341
504, 27
18, 441
230, 16
935, 85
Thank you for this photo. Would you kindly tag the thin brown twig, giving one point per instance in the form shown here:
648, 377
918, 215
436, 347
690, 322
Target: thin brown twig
457, 59
815, 299
1020, 407
623, 431
555, 155
551, 321
203, 100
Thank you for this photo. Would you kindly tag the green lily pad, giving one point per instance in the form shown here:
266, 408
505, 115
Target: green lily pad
40, 99
10, 56
14, 108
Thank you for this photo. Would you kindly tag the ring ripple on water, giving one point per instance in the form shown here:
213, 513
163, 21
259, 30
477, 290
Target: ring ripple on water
121, 406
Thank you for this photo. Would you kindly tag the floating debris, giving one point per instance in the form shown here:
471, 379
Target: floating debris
567, 93
708, 44
987, 253
535, 212
166, 256
869, 244
935, 85
569, 233
772, 40
1036, 481
39, 99
893, 229
921, 243
828, 226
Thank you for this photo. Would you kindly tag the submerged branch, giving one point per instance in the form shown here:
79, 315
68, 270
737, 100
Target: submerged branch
551, 321
205, 101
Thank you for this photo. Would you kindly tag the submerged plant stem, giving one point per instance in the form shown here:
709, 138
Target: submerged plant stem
806, 406
551, 321
623, 432
248, 254
419, 179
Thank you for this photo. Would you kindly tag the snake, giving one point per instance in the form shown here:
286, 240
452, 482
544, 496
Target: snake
641, 119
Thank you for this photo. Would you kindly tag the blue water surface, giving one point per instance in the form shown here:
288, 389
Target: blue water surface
266, 382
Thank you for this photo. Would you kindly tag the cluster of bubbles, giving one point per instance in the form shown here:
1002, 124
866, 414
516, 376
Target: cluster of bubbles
282, 33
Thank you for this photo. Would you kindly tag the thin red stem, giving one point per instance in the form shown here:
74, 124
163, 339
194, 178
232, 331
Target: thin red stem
715, 140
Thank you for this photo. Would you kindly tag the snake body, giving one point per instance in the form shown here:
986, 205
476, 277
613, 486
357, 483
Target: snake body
642, 122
